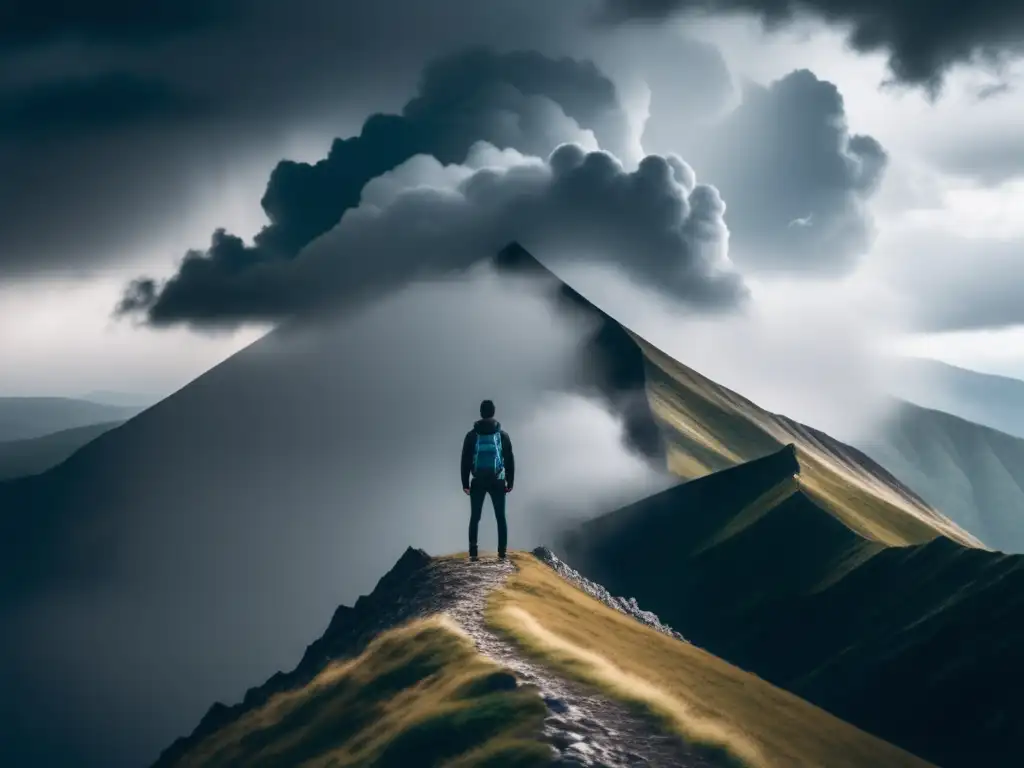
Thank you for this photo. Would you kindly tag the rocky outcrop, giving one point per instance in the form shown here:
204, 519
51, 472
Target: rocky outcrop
626, 605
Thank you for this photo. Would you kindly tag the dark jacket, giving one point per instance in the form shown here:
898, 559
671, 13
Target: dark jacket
487, 427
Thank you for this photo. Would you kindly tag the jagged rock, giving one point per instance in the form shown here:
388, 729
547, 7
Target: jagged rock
624, 605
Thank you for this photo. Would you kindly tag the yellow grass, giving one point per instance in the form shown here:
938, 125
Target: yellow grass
418, 695
705, 699
708, 428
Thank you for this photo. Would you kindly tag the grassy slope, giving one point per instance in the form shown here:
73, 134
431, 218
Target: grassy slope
709, 428
706, 699
973, 473
892, 639
419, 695
31, 456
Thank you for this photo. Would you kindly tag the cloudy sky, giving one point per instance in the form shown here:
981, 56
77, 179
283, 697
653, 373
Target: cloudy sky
172, 183
772, 195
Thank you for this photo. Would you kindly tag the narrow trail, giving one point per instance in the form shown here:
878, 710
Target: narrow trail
583, 727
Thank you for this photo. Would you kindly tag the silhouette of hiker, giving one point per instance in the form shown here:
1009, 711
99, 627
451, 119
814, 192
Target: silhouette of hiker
487, 454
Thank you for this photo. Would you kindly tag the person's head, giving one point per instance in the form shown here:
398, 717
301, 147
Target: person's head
487, 409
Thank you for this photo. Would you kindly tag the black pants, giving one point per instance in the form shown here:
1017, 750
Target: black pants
478, 489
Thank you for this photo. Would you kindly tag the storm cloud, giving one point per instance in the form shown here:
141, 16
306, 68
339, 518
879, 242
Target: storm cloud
795, 179
142, 111
77, 106
427, 218
520, 100
25, 23
923, 39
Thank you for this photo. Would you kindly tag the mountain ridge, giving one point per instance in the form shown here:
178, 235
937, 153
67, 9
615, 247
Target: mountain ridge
988, 399
645, 386
580, 706
891, 639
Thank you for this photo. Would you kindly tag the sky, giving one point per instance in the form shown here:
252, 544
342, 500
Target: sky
126, 142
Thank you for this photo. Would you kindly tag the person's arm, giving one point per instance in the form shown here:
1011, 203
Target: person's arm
467, 458
510, 460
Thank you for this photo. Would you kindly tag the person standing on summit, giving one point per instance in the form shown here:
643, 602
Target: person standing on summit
487, 455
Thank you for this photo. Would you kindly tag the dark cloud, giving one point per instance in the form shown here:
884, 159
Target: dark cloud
72, 107
520, 100
508, 100
34, 22
794, 178
656, 221
923, 38
261, 72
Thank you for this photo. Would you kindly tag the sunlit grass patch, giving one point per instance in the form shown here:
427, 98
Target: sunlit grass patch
419, 695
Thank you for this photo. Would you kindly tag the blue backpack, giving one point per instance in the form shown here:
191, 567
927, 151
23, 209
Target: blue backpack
487, 458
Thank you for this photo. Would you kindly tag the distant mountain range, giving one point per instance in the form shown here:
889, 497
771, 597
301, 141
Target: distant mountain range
973, 473
30, 456
986, 399
125, 399
23, 418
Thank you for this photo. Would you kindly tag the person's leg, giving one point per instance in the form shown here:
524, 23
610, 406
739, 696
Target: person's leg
498, 499
477, 491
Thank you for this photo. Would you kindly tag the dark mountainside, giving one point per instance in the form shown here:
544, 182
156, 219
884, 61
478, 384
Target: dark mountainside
920, 645
20, 458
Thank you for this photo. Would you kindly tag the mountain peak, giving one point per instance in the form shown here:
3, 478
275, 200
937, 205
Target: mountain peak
514, 257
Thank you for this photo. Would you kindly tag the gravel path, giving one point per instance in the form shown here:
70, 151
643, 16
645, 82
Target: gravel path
583, 727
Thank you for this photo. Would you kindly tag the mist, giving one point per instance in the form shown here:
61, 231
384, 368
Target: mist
817, 351
191, 553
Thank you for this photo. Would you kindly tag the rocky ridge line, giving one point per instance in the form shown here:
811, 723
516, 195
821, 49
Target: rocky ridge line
626, 605
583, 727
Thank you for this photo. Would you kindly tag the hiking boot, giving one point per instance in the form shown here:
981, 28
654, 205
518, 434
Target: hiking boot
501, 555
473, 558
